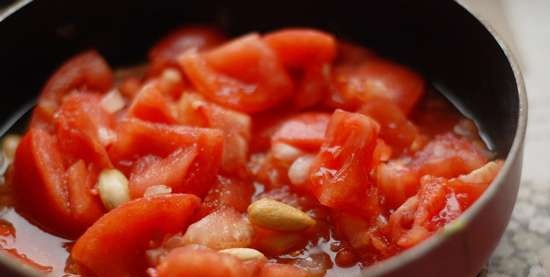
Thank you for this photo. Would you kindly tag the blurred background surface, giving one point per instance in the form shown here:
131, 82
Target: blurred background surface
525, 27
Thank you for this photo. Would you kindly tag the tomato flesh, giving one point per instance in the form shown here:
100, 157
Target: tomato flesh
115, 245
87, 71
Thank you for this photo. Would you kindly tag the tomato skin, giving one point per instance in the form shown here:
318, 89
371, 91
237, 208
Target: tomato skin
164, 54
301, 47
87, 70
340, 172
305, 130
200, 261
114, 246
137, 138
244, 74
379, 78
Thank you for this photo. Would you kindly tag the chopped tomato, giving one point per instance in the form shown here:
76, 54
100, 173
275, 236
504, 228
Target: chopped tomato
138, 138
340, 172
165, 53
282, 270
397, 182
228, 192
151, 104
379, 78
196, 111
84, 129
64, 205
200, 261
232, 230
469, 187
395, 128
311, 87
448, 156
87, 71
306, 130
171, 171
302, 47
308, 53
349, 53
115, 245
244, 74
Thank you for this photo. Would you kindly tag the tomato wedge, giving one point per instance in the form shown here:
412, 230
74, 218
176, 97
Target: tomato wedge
115, 245
88, 71
340, 172
165, 53
244, 74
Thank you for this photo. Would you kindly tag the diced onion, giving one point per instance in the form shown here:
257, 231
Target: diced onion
9, 146
113, 188
285, 152
113, 101
298, 173
157, 190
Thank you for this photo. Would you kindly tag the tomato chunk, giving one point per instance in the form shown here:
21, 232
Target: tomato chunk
138, 138
232, 230
165, 53
395, 128
306, 130
244, 74
60, 201
340, 172
282, 270
379, 78
171, 171
87, 70
151, 104
228, 192
200, 261
196, 111
448, 156
302, 47
115, 245
84, 129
